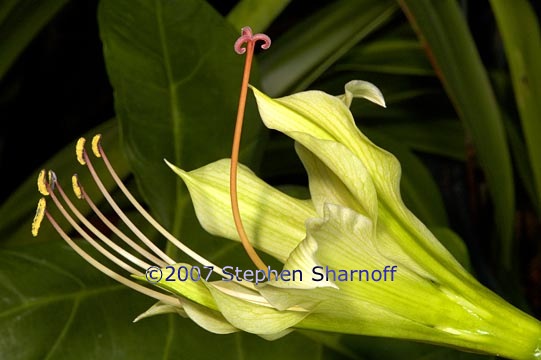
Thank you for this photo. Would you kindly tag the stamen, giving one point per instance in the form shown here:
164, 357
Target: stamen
142, 211
38, 218
42, 187
121, 213
76, 187
99, 234
96, 144
85, 235
250, 40
195, 256
79, 149
171, 300
51, 179
113, 228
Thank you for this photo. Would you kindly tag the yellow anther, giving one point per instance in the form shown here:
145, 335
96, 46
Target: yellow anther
40, 212
76, 186
42, 186
96, 144
79, 149
51, 178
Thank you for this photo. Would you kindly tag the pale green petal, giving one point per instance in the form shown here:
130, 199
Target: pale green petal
300, 264
454, 243
345, 182
362, 89
300, 290
313, 112
347, 242
345, 239
208, 319
274, 221
160, 308
327, 118
256, 319
410, 306
192, 290
419, 247
283, 298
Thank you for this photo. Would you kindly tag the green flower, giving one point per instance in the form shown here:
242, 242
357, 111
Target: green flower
357, 225
355, 259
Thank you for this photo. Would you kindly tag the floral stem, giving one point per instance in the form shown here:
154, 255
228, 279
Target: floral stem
250, 40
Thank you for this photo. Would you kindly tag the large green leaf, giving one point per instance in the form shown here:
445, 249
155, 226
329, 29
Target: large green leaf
18, 210
20, 21
520, 157
388, 55
438, 137
256, 13
451, 49
176, 80
302, 54
55, 306
519, 28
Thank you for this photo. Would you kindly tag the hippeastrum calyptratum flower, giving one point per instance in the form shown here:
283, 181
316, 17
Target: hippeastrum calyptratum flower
355, 259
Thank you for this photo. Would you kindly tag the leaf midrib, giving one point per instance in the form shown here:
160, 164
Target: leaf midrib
46, 300
175, 119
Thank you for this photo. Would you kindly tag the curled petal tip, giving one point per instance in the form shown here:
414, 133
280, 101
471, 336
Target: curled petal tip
79, 149
38, 218
42, 186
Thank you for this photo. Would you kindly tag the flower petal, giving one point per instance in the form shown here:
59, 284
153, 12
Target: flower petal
326, 117
345, 182
362, 89
208, 319
273, 221
348, 248
300, 263
160, 308
255, 319
195, 291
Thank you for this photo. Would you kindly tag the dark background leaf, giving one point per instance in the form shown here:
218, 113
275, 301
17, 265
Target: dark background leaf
20, 21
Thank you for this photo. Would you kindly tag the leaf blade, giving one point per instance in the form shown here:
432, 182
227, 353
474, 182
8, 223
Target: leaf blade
297, 60
451, 49
20, 21
255, 13
524, 56
175, 92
